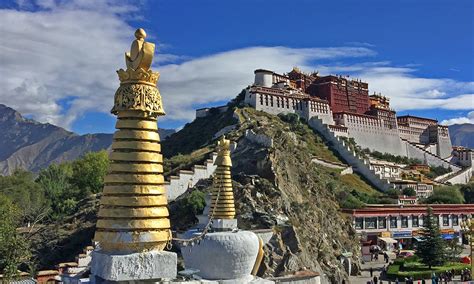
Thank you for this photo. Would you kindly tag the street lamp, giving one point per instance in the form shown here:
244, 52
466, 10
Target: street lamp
467, 228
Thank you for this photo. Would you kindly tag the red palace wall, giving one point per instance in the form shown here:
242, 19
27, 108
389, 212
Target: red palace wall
341, 98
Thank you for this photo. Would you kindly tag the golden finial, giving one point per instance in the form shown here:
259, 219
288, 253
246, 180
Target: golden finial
141, 52
223, 153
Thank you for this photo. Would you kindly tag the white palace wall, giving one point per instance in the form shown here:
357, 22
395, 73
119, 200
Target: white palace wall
370, 133
277, 103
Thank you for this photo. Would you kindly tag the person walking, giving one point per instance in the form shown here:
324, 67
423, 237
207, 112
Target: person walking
371, 271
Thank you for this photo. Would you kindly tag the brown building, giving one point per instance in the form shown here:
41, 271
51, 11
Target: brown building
302, 80
422, 168
47, 277
342, 94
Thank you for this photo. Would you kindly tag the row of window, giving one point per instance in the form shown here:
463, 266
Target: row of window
295, 104
381, 222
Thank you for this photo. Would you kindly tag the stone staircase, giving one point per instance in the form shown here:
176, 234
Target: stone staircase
185, 179
359, 164
431, 158
459, 177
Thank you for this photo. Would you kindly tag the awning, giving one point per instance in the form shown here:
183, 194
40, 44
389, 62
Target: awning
447, 236
388, 240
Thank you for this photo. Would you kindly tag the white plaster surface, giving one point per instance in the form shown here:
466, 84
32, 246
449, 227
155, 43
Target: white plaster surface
135, 266
187, 179
223, 255
223, 224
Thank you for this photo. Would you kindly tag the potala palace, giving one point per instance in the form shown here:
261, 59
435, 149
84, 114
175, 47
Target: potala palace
347, 109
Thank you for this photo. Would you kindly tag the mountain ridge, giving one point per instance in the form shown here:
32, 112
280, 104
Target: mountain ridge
31, 145
462, 135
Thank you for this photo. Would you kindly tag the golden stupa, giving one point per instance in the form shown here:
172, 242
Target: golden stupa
222, 196
133, 214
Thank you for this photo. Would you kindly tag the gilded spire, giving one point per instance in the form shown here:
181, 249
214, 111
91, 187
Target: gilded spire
133, 216
222, 197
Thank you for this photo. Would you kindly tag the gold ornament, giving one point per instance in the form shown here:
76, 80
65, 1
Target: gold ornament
133, 214
222, 195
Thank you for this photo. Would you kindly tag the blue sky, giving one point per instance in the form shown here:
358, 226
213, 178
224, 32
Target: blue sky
65, 53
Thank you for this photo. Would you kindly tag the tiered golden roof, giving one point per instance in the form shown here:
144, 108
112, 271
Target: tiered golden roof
222, 196
133, 216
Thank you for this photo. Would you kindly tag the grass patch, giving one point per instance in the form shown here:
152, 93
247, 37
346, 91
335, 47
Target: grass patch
411, 267
184, 162
353, 181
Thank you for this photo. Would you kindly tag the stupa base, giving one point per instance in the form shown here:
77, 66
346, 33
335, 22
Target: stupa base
224, 224
223, 255
151, 266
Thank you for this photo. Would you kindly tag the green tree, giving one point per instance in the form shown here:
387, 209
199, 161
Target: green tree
468, 192
89, 172
55, 181
393, 193
20, 187
453, 249
431, 248
14, 248
445, 195
409, 191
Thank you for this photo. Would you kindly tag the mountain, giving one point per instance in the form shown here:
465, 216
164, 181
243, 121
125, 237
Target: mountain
31, 145
462, 135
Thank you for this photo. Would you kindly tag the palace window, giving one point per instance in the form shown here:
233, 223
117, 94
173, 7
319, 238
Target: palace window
445, 220
455, 220
371, 223
415, 221
382, 223
404, 221
393, 222
359, 223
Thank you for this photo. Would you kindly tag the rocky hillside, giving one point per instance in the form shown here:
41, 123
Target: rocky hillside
31, 145
276, 184
462, 135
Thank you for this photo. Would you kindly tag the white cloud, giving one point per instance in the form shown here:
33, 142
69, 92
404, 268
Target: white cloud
67, 50
220, 77
460, 120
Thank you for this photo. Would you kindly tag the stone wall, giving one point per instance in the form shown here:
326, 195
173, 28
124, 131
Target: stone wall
186, 179
358, 165
445, 147
416, 152
259, 138
460, 177
369, 133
